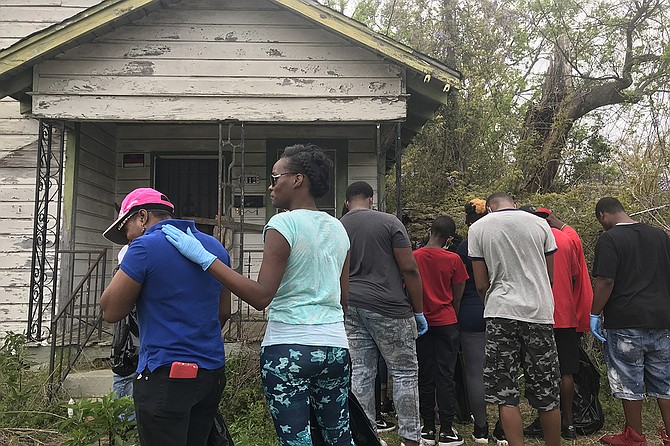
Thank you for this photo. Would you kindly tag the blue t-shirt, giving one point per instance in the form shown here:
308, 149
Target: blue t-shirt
309, 292
178, 305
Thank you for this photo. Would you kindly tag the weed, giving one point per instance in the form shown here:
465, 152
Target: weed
107, 417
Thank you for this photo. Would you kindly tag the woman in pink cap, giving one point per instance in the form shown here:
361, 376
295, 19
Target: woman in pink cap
180, 310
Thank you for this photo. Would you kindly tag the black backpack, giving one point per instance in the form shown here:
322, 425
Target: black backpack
125, 346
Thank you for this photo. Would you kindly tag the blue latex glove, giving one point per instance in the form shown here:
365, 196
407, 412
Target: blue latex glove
421, 323
189, 246
597, 327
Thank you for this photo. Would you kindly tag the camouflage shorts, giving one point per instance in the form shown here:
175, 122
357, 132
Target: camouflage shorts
513, 344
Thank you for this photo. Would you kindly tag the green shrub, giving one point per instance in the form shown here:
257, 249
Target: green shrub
105, 418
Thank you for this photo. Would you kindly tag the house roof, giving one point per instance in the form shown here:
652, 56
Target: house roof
428, 80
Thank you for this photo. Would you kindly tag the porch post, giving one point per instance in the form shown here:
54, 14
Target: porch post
398, 171
46, 229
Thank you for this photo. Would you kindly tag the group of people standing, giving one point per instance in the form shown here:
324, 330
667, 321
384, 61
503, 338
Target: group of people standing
340, 293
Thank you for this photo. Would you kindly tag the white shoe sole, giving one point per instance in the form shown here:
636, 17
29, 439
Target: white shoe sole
451, 443
480, 440
502, 442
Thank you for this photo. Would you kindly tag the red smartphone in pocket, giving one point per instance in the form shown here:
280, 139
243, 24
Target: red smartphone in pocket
183, 370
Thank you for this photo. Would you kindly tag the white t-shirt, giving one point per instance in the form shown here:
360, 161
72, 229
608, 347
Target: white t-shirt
514, 243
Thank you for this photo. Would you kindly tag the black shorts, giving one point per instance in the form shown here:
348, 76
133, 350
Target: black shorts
567, 345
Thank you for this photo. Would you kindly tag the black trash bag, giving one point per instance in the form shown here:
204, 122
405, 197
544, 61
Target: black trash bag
462, 407
219, 435
361, 429
587, 413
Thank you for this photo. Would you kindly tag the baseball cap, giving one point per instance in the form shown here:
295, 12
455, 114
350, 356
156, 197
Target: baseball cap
540, 212
141, 198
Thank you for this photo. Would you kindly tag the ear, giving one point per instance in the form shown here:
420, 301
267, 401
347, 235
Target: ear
298, 179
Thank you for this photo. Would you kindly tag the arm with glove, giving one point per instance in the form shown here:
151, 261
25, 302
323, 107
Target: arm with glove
259, 293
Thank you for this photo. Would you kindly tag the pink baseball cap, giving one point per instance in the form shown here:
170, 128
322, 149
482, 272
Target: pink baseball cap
141, 198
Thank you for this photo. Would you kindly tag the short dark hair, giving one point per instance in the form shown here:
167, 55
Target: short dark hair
498, 197
610, 205
359, 189
443, 226
310, 161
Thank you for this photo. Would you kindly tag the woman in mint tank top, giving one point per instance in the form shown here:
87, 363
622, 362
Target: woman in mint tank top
304, 282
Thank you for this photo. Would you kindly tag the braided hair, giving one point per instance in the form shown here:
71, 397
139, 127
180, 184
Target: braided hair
310, 161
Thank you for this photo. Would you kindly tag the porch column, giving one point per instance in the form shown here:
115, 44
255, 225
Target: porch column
46, 229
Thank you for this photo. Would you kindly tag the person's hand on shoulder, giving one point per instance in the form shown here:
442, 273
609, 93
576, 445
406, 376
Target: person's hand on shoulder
189, 246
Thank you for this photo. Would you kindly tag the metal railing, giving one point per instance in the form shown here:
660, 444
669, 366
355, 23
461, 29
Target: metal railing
79, 318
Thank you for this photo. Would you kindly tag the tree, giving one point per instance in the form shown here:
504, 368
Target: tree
606, 53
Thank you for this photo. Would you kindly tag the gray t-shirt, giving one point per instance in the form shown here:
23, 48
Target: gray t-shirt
514, 243
375, 282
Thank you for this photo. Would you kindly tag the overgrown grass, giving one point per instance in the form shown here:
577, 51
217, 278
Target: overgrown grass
28, 418
243, 403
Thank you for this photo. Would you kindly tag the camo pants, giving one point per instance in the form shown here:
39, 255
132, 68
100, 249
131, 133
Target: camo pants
512, 344
296, 377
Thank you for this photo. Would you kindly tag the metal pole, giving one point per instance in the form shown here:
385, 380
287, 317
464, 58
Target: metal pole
398, 172
219, 209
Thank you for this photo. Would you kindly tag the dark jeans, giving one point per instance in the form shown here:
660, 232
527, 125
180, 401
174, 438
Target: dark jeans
176, 411
436, 352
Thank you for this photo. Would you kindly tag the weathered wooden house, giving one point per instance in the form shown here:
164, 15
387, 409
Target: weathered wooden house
193, 97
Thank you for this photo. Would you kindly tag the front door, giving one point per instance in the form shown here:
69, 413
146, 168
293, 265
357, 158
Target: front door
192, 186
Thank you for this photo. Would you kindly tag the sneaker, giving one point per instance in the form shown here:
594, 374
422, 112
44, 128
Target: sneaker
384, 426
534, 430
568, 432
387, 407
626, 438
663, 432
499, 435
449, 438
428, 435
481, 434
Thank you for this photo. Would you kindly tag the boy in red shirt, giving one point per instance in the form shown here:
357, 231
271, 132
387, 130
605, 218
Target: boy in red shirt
443, 275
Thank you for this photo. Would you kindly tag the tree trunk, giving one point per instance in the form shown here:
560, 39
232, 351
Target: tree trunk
547, 124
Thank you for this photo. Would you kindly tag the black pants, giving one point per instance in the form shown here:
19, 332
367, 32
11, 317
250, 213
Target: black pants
176, 411
436, 353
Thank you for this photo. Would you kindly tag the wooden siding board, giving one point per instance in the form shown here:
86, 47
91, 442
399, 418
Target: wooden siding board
225, 32
292, 86
110, 108
35, 14
16, 225
237, 67
13, 175
221, 50
169, 16
253, 132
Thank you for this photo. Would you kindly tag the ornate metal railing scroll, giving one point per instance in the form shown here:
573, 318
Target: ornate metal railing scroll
46, 229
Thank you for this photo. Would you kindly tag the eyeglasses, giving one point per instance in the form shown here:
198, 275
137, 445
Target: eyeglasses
125, 220
274, 178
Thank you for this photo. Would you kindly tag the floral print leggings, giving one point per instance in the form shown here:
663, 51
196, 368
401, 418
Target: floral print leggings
296, 377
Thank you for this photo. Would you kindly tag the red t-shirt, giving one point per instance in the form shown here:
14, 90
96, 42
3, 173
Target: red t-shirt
566, 267
583, 291
440, 270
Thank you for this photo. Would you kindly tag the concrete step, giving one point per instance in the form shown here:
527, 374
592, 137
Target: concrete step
91, 383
